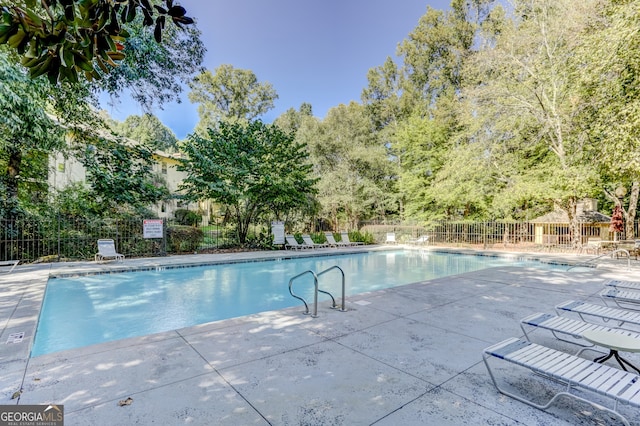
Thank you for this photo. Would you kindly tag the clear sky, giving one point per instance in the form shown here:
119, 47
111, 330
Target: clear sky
314, 51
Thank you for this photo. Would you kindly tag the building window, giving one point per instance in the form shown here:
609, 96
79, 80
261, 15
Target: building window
164, 168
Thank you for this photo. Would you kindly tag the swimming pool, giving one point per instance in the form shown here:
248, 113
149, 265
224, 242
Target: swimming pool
90, 309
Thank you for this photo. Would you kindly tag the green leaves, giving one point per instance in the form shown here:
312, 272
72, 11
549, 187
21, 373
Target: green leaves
64, 38
251, 168
230, 93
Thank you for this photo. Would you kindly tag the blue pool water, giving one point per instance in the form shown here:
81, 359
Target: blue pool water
91, 309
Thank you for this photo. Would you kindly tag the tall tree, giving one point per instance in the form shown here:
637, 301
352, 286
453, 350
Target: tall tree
230, 94
525, 93
26, 128
120, 174
252, 169
435, 51
147, 130
291, 120
352, 165
609, 75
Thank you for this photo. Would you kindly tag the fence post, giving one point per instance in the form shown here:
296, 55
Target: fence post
59, 237
484, 235
163, 249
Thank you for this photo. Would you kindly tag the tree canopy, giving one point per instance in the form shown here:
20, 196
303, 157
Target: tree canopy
250, 168
147, 130
230, 94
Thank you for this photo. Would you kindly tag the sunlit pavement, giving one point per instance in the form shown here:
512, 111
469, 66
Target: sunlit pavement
410, 355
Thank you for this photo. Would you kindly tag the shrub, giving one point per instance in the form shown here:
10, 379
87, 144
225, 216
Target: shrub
361, 237
187, 217
262, 241
184, 238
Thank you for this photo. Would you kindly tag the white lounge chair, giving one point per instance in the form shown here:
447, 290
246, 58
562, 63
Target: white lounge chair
11, 263
332, 241
308, 241
391, 238
346, 240
622, 297
294, 244
605, 313
567, 326
633, 285
575, 372
107, 251
423, 239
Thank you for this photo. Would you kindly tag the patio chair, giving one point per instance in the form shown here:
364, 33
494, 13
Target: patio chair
567, 326
294, 244
332, 241
633, 285
391, 238
11, 263
577, 374
423, 240
107, 251
622, 297
605, 313
345, 239
593, 245
308, 241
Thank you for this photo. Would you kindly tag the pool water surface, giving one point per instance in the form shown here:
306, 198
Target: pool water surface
90, 309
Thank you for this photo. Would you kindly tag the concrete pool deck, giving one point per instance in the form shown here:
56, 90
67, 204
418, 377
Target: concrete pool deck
409, 355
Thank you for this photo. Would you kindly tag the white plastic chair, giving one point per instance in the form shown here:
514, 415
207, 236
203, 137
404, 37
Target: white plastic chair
107, 251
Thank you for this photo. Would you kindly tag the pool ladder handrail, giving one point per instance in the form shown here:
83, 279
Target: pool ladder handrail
588, 263
334, 306
316, 290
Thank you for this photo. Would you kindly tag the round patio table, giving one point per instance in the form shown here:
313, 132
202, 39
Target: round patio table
615, 341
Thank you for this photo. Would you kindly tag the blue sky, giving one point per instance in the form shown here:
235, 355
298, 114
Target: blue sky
314, 51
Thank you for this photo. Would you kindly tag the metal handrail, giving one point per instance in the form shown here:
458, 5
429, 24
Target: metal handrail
315, 293
343, 308
586, 263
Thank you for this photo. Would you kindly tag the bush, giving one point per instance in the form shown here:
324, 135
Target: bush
184, 238
187, 217
260, 241
361, 237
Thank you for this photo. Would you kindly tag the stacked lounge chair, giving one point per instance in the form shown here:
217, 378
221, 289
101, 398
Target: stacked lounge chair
580, 376
332, 241
292, 243
308, 241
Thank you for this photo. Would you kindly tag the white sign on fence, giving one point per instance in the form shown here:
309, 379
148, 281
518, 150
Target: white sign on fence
277, 229
152, 228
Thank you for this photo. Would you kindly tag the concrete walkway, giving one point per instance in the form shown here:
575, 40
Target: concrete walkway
410, 355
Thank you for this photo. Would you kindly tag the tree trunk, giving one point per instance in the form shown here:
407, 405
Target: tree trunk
11, 178
575, 232
630, 213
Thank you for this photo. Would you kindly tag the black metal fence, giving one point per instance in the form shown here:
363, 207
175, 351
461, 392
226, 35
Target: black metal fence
67, 238
64, 238
532, 236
